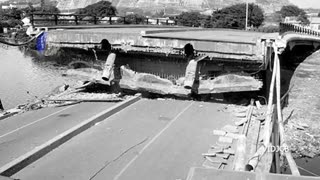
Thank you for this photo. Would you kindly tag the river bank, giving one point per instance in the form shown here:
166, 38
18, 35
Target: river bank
302, 113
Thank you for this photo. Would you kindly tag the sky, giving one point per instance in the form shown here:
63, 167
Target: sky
307, 3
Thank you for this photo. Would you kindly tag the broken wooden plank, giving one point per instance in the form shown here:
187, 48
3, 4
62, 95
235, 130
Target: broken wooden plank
211, 165
230, 129
227, 140
219, 132
209, 154
229, 151
216, 160
233, 135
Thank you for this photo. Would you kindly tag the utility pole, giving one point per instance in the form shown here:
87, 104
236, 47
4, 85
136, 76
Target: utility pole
247, 13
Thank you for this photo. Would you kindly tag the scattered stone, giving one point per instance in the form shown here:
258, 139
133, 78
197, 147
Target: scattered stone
308, 154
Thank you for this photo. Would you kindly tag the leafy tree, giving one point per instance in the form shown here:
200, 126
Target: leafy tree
235, 16
291, 10
100, 9
47, 9
207, 22
132, 19
42, 4
192, 19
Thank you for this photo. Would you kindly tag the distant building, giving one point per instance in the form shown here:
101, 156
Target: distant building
315, 23
292, 20
8, 6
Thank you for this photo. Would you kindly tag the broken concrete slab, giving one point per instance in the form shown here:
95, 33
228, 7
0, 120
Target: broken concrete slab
229, 83
150, 83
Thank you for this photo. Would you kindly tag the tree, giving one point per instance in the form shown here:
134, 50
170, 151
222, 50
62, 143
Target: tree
192, 19
132, 19
100, 9
235, 16
47, 9
291, 10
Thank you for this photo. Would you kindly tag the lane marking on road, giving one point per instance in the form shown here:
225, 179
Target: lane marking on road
27, 125
150, 142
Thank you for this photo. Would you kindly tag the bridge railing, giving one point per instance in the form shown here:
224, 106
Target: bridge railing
77, 19
285, 27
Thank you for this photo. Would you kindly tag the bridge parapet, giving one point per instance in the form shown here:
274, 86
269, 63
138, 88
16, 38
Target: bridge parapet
285, 27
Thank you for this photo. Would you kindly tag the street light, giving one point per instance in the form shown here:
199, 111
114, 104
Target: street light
247, 12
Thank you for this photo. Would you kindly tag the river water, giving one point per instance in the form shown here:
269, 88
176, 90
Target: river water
24, 77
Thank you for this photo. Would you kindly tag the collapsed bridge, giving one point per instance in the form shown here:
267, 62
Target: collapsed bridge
176, 60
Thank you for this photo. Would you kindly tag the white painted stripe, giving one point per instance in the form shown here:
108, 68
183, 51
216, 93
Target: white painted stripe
27, 125
151, 141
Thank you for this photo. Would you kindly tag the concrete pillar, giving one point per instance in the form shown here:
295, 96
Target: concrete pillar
191, 74
108, 74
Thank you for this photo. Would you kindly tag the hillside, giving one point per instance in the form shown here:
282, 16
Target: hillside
183, 5
269, 6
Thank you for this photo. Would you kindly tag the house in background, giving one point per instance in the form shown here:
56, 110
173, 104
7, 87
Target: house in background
292, 20
315, 23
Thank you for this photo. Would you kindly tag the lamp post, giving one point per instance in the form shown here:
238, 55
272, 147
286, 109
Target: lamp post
247, 12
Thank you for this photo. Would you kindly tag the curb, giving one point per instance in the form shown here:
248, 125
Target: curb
19, 163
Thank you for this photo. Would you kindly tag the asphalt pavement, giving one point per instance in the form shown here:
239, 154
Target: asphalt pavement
151, 139
21, 134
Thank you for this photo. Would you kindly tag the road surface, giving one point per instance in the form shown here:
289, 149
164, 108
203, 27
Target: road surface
151, 139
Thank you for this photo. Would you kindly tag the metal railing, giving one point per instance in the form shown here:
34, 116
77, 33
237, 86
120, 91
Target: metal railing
285, 27
77, 19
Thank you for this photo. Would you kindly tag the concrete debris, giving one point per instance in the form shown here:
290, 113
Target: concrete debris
229, 83
150, 83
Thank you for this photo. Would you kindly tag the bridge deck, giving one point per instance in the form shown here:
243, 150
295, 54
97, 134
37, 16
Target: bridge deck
215, 35
151, 139
216, 43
